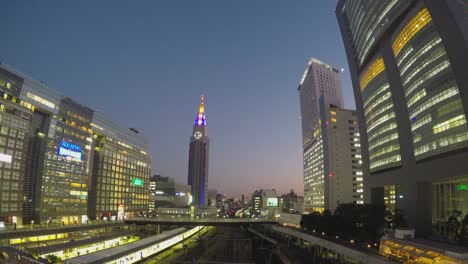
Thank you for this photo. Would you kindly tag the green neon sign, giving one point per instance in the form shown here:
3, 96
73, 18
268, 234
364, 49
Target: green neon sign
462, 187
137, 182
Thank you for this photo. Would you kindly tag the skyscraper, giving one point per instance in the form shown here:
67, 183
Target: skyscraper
198, 158
331, 149
407, 60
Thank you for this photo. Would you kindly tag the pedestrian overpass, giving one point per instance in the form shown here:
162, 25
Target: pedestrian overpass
203, 221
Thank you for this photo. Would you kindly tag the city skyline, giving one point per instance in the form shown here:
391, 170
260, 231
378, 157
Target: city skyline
252, 98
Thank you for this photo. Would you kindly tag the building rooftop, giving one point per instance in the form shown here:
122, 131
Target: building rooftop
314, 61
429, 246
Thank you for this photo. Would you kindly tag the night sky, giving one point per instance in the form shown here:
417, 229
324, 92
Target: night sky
144, 64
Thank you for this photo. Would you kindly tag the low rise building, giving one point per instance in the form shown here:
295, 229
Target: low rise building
291, 203
264, 203
166, 192
422, 251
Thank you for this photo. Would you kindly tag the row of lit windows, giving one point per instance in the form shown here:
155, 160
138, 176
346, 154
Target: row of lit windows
365, 26
418, 96
74, 115
381, 120
378, 112
13, 122
9, 174
435, 55
385, 161
441, 142
383, 140
427, 140
372, 71
410, 30
434, 71
421, 122
377, 102
382, 130
384, 151
376, 93
448, 124
450, 107
444, 95
436, 41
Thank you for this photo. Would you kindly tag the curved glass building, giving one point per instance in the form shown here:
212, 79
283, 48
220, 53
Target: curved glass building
407, 60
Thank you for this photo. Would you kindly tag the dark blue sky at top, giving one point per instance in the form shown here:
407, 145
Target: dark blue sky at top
144, 64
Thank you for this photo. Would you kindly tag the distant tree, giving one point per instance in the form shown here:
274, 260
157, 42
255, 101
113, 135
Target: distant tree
464, 231
54, 259
453, 228
326, 213
398, 219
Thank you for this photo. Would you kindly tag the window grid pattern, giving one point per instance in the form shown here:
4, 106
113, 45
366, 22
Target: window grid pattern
13, 142
379, 112
64, 189
118, 168
365, 26
432, 95
411, 29
314, 187
372, 71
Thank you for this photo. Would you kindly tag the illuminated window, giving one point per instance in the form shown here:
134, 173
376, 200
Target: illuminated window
40, 100
409, 31
372, 71
451, 123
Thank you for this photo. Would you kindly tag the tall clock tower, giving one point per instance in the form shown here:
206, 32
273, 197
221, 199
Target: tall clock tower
198, 158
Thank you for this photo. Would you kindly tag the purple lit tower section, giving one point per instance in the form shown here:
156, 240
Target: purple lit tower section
198, 158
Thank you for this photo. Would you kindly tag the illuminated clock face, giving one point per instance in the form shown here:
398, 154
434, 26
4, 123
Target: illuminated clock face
197, 135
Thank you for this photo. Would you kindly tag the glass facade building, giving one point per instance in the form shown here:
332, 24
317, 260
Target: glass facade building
54, 151
381, 124
407, 61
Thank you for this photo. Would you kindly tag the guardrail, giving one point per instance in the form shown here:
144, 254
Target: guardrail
184, 220
354, 253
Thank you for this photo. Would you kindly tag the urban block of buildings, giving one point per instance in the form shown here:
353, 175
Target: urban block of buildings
166, 192
266, 203
62, 161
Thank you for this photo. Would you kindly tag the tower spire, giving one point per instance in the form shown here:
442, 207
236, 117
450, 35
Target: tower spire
200, 120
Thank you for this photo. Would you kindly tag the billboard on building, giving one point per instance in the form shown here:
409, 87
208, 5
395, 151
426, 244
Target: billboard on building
70, 150
272, 202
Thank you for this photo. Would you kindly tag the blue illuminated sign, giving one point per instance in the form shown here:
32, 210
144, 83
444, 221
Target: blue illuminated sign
70, 150
70, 146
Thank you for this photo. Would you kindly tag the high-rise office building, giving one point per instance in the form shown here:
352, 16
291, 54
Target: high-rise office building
198, 158
331, 150
49, 157
121, 170
407, 60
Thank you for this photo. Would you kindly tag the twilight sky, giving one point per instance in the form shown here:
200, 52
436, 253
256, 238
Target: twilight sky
145, 63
